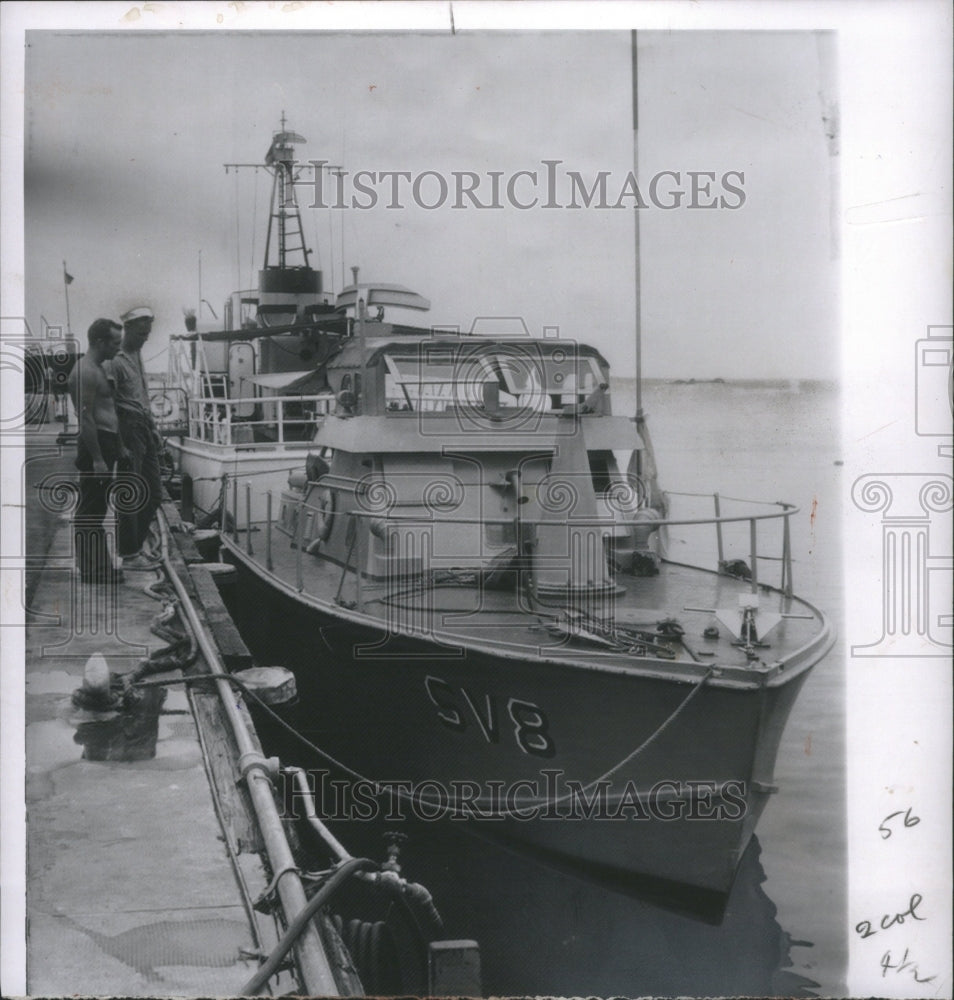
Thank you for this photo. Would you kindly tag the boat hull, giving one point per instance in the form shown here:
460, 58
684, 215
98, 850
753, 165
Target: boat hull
629, 773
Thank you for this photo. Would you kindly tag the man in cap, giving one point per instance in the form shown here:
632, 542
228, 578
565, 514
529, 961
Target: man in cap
98, 448
140, 437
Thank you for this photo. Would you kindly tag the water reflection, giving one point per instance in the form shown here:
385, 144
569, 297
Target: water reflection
127, 735
546, 932
543, 931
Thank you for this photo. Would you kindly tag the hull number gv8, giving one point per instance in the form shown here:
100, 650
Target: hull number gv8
459, 709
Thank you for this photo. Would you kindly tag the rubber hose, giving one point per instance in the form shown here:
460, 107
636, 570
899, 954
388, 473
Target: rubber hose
320, 898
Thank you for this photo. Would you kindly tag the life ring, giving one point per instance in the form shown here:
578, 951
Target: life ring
162, 407
321, 501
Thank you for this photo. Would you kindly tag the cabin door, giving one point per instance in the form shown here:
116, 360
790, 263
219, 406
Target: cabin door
241, 368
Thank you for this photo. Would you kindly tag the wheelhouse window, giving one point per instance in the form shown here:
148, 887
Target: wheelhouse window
439, 380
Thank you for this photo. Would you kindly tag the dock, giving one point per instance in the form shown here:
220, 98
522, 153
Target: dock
135, 886
158, 863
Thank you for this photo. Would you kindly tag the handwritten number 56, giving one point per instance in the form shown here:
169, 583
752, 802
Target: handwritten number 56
909, 820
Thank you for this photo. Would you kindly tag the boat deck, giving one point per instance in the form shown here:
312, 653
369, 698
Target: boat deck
453, 607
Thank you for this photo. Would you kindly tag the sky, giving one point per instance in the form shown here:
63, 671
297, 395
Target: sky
126, 137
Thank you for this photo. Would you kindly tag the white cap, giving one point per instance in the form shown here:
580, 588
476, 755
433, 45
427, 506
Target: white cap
137, 312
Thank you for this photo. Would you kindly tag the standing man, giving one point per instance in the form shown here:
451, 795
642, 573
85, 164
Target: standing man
139, 435
98, 449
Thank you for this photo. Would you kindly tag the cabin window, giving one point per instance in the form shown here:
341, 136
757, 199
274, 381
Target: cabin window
572, 378
347, 401
424, 384
433, 381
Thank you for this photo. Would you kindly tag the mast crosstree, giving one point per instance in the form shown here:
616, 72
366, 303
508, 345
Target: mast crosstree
289, 289
285, 213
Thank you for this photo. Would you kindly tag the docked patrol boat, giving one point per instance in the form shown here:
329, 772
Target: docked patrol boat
471, 542
493, 618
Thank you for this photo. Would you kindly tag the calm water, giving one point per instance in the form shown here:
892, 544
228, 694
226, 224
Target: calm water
783, 932
782, 443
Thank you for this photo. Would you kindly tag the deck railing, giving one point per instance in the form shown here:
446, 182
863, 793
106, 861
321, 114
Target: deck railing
525, 527
273, 420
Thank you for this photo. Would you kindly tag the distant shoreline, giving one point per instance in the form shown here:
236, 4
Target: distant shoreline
784, 384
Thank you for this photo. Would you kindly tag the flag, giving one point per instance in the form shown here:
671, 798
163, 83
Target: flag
67, 277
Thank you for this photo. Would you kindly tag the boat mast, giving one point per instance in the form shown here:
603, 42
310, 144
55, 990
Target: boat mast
281, 157
289, 290
638, 284
642, 462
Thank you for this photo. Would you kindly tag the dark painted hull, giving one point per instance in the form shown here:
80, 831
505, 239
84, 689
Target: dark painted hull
517, 745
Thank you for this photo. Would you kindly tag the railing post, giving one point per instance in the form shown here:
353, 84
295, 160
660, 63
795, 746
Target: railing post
299, 531
347, 562
281, 421
718, 514
753, 555
359, 537
235, 510
248, 518
268, 532
223, 504
787, 584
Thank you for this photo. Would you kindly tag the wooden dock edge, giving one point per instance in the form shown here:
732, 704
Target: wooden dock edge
240, 831
218, 742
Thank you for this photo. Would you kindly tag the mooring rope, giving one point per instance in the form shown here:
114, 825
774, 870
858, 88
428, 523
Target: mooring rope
548, 802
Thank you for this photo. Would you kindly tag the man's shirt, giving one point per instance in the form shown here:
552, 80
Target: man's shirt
129, 379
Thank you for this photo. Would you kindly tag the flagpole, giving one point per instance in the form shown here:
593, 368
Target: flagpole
66, 292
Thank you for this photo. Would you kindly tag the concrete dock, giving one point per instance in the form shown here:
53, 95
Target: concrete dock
159, 861
130, 886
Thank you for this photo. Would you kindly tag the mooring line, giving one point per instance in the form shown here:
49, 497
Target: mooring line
416, 797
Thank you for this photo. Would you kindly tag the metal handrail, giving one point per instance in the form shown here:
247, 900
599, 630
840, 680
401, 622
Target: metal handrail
785, 513
580, 522
752, 520
211, 418
200, 398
